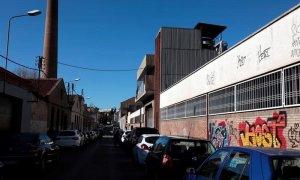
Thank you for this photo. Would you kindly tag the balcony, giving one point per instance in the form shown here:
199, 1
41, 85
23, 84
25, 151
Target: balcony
146, 66
145, 88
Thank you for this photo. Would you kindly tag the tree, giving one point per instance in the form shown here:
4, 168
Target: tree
26, 73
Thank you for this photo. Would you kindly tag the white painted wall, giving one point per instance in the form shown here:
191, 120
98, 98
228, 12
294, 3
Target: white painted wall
270, 48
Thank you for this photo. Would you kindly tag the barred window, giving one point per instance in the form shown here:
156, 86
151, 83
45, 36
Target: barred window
193, 107
180, 110
262, 92
221, 101
163, 113
196, 107
292, 85
171, 112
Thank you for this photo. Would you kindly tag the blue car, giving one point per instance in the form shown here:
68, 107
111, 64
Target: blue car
243, 163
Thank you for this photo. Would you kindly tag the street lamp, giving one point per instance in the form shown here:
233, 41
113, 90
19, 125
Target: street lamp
29, 13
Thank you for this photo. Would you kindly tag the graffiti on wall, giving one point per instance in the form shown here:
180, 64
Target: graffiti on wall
294, 135
295, 40
210, 78
264, 133
241, 60
263, 54
233, 132
223, 133
219, 134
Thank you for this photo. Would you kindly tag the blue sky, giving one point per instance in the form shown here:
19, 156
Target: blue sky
115, 35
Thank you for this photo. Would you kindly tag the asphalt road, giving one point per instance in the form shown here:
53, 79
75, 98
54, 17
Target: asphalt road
101, 160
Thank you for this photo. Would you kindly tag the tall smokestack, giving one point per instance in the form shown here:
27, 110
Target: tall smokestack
50, 40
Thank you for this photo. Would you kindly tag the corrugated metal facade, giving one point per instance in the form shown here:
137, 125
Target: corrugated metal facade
181, 54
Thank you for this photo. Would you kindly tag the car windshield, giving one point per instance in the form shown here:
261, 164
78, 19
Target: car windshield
286, 167
67, 133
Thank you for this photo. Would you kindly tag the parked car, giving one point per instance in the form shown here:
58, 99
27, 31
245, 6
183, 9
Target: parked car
28, 150
124, 136
250, 163
170, 156
141, 149
137, 132
69, 138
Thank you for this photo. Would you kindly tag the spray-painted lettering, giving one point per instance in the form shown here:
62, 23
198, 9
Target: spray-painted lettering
241, 61
294, 135
211, 78
295, 40
263, 133
263, 54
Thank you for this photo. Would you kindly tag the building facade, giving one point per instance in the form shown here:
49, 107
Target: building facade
178, 53
15, 104
77, 108
246, 96
145, 92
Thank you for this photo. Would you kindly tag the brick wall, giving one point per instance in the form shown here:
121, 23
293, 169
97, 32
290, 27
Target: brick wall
278, 128
192, 127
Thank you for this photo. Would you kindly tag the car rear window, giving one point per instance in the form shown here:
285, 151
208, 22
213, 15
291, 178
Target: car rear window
67, 133
139, 132
188, 146
151, 139
286, 167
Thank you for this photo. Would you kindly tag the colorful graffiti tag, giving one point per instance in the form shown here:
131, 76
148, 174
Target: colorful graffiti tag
223, 133
219, 135
264, 133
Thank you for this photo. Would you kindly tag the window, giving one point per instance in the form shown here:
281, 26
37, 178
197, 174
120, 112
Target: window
286, 167
180, 110
140, 139
190, 108
221, 101
171, 112
163, 113
210, 168
151, 139
160, 144
196, 107
237, 167
292, 85
262, 92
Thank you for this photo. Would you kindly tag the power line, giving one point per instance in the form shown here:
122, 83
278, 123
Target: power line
74, 66
19, 63
93, 69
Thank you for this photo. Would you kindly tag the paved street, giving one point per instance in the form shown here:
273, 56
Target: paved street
101, 160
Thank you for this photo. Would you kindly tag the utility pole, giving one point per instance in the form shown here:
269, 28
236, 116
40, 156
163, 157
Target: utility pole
40, 65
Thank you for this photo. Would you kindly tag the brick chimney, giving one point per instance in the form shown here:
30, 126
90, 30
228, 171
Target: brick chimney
50, 40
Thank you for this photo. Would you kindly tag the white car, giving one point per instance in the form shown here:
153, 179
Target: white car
124, 136
141, 149
69, 138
